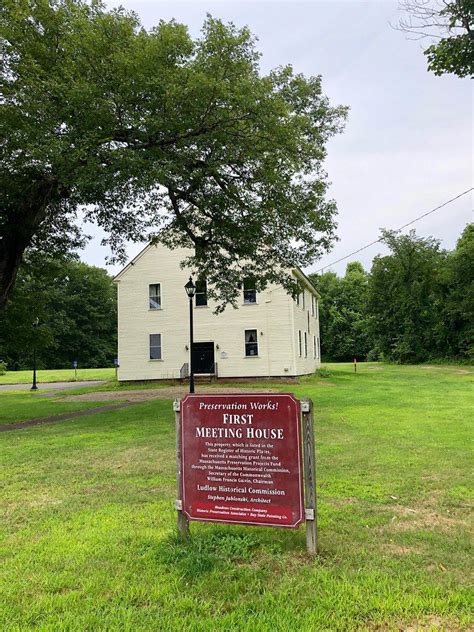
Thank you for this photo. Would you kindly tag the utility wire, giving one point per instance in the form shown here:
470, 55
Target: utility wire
372, 243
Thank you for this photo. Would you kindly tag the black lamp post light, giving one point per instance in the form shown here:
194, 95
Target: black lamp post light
34, 386
190, 291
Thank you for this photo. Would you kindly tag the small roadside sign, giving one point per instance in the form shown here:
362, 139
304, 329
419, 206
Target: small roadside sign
240, 461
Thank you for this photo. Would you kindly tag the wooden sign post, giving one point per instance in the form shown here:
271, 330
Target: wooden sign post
311, 514
240, 461
183, 522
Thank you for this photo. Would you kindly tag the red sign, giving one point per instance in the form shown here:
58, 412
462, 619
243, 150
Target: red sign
241, 459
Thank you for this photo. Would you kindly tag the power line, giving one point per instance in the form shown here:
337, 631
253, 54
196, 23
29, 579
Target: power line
372, 243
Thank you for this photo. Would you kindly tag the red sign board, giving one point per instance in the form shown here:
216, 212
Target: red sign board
241, 459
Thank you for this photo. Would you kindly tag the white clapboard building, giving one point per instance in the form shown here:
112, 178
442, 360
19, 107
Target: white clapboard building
269, 335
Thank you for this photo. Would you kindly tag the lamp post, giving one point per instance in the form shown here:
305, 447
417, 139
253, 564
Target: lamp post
35, 324
190, 291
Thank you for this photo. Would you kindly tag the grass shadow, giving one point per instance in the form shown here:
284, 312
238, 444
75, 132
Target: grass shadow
214, 547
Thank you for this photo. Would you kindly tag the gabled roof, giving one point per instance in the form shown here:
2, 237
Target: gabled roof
299, 273
131, 263
302, 276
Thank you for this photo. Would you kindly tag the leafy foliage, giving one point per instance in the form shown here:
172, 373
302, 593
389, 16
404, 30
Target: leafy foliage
456, 331
404, 297
76, 308
451, 25
159, 135
416, 304
343, 313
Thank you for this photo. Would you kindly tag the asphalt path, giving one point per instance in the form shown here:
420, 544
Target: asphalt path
50, 386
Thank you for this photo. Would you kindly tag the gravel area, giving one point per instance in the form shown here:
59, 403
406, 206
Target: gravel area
50, 386
167, 392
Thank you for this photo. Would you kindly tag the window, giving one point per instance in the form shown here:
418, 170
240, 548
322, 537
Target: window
314, 346
318, 351
308, 319
317, 308
298, 299
313, 301
155, 346
154, 291
299, 342
305, 345
303, 297
250, 293
251, 343
201, 293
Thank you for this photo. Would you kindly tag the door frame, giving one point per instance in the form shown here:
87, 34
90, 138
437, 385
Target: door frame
196, 370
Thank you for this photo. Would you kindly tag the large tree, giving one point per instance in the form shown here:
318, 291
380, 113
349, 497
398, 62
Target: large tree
158, 134
455, 332
75, 305
405, 298
449, 25
343, 313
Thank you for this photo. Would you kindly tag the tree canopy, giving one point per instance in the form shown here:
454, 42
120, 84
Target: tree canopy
404, 297
156, 134
343, 313
415, 304
450, 25
75, 305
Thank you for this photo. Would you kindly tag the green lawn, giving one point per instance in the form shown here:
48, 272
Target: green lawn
22, 406
58, 375
89, 542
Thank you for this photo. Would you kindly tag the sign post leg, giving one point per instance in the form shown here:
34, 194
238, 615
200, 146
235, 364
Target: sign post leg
183, 522
309, 477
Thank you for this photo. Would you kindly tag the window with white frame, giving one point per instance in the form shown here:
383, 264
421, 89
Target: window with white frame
155, 346
154, 293
299, 343
313, 305
201, 293
303, 298
250, 293
251, 343
308, 321
305, 344
298, 298
318, 350
314, 347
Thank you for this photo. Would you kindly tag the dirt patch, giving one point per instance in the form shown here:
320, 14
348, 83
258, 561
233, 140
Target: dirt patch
397, 549
433, 623
449, 369
62, 417
423, 518
168, 392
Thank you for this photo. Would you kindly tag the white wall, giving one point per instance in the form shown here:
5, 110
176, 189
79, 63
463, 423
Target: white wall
273, 316
306, 323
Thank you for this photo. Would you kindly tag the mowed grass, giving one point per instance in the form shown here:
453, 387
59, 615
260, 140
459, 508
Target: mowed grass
22, 406
58, 375
89, 528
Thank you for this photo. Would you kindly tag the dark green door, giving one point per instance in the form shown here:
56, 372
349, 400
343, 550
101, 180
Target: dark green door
203, 357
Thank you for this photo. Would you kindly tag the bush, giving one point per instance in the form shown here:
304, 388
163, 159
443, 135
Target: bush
374, 355
324, 372
3, 367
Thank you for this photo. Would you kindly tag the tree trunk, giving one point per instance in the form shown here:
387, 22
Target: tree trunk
22, 220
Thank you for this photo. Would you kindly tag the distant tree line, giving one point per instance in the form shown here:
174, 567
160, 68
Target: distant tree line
75, 305
416, 303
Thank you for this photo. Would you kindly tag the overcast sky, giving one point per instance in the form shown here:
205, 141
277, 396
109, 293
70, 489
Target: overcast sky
408, 142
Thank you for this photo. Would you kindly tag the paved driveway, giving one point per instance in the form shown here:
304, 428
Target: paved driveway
50, 386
